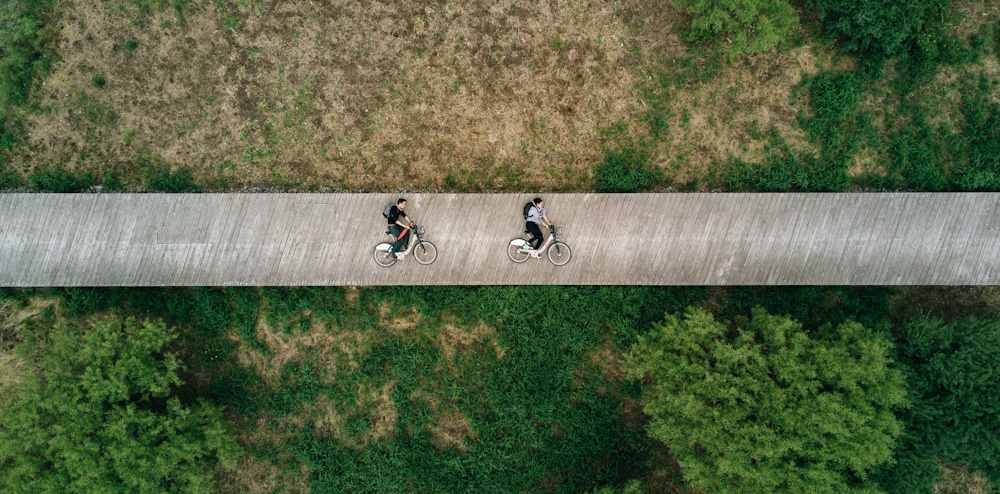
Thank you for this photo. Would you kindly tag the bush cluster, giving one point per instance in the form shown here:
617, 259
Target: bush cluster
883, 28
747, 26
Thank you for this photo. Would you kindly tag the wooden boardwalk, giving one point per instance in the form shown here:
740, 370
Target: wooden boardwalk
617, 239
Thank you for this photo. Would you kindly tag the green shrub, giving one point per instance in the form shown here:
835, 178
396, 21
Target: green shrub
99, 413
917, 157
131, 45
9, 179
98, 81
766, 406
836, 124
625, 170
749, 26
952, 371
159, 178
884, 28
978, 149
111, 182
60, 180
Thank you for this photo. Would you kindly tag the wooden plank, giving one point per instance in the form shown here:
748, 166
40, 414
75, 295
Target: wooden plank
947, 272
901, 242
990, 257
674, 239
933, 243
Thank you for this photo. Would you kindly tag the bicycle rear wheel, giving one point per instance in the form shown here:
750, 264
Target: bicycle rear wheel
425, 252
559, 253
382, 255
515, 250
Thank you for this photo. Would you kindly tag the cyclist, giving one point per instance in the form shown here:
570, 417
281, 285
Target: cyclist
536, 218
396, 226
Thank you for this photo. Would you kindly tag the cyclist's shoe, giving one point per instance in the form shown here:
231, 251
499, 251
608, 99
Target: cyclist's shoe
399, 255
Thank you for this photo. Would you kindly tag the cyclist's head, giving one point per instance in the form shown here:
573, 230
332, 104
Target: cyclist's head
538, 201
401, 203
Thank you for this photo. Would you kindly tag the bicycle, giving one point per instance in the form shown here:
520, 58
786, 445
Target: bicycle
519, 250
423, 251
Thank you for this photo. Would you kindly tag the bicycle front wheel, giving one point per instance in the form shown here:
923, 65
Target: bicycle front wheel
515, 250
425, 253
559, 253
382, 255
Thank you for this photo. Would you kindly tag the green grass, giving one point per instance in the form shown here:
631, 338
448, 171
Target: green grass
159, 177
545, 416
626, 170
60, 180
26, 40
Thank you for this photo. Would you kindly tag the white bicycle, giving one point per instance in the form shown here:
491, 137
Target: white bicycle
519, 250
423, 251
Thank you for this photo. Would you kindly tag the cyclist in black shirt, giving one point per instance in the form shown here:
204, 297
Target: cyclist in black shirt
396, 226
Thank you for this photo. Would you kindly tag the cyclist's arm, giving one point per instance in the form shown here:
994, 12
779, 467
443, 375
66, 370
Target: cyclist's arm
546, 220
400, 223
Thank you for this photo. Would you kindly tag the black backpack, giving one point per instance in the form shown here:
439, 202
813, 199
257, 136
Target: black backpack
527, 209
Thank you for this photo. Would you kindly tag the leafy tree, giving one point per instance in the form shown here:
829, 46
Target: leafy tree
882, 27
96, 414
767, 408
953, 372
750, 26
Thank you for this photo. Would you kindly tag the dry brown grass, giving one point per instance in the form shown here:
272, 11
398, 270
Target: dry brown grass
961, 480
336, 353
449, 427
975, 15
475, 340
363, 94
416, 95
337, 350
713, 120
328, 417
399, 326
264, 476
607, 360
11, 370
946, 302
253, 476
13, 316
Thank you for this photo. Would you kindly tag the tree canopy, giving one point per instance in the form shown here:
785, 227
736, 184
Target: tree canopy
767, 407
97, 413
953, 373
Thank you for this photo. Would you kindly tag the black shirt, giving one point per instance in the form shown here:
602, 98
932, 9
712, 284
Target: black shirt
394, 214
